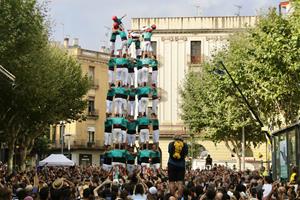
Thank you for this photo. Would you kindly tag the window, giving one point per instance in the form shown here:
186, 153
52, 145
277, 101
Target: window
91, 105
91, 135
154, 47
91, 72
196, 52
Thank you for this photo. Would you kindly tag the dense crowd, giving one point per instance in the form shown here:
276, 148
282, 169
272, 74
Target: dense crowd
93, 182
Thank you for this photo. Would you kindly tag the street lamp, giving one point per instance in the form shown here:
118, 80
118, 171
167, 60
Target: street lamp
69, 143
221, 72
62, 132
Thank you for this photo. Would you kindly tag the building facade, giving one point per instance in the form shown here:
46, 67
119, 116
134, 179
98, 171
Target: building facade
83, 140
182, 44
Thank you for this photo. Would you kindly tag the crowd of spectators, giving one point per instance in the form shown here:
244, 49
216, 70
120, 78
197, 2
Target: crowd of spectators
92, 182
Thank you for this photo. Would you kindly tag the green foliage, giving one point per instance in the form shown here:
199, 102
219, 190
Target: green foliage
49, 84
264, 62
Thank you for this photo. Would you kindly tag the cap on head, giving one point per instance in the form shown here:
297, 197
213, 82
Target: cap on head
114, 18
153, 26
178, 136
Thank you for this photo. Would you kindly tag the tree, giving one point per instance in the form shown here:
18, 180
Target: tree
264, 61
49, 83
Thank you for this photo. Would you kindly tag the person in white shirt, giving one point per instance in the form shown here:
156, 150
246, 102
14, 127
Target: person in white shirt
267, 187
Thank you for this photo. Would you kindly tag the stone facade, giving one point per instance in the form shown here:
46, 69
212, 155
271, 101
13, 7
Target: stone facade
85, 148
173, 38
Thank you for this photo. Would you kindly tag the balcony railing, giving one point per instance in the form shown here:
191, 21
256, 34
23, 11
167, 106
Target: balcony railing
94, 83
93, 113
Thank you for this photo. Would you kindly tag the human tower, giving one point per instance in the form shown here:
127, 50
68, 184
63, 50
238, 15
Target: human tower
130, 87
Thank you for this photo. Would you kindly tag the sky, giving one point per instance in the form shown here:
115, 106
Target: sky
88, 20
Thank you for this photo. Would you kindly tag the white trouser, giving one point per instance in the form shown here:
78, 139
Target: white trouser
124, 46
112, 46
131, 108
107, 139
118, 105
154, 106
124, 105
156, 166
155, 136
139, 76
144, 135
117, 135
154, 77
146, 165
130, 169
131, 78
147, 46
131, 139
106, 167
124, 76
119, 74
115, 164
145, 72
143, 104
109, 106
123, 137
111, 78
138, 52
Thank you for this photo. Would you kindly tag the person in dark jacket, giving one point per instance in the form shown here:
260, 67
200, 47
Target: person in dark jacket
178, 150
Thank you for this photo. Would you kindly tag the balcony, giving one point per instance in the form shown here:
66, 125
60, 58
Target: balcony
91, 144
94, 83
93, 114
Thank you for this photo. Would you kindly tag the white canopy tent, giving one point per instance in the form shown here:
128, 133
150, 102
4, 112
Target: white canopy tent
56, 160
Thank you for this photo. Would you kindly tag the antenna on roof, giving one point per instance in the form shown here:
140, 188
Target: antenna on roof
197, 5
239, 7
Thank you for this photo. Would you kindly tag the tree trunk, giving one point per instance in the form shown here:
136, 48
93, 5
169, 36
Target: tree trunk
11, 153
239, 161
23, 156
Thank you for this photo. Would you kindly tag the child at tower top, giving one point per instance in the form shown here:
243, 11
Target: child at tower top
118, 21
147, 34
113, 38
123, 37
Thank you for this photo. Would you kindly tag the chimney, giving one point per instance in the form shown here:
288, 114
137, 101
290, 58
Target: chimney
75, 42
66, 42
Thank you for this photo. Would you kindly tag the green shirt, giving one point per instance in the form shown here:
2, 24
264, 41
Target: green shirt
118, 153
130, 65
147, 35
130, 157
146, 61
143, 121
122, 34
124, 123
116, 120
111, 92
131, 125
145, 153
114, 36
121, 61
132, 92
154, 64
138, 64
154, 122
120, 90
143, 90
154, 92
108, 122
111, 63
129, 42
154, 154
